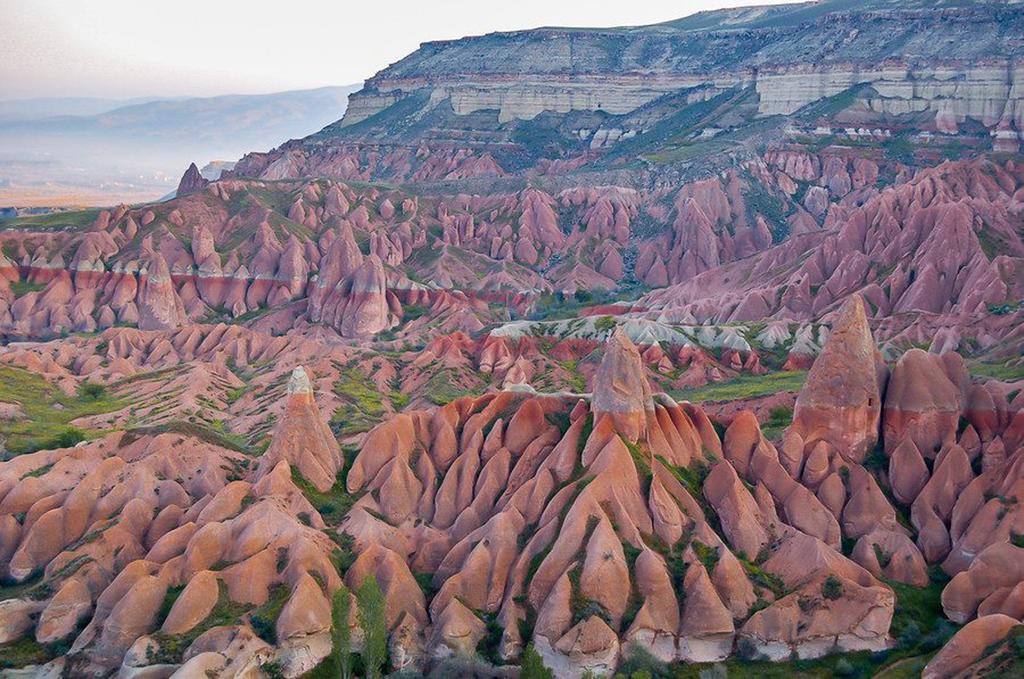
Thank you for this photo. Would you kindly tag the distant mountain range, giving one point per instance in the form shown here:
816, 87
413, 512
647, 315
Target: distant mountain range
47, 107
59, 151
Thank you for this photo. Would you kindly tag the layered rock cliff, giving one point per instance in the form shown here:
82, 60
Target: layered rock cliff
795, 55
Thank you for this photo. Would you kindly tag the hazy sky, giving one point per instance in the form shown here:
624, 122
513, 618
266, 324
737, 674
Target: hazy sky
127, 48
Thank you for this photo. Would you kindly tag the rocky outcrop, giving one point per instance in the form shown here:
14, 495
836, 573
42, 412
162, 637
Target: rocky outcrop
621, 391
631, 448
913, 272
793, 60
526, 462
302, 438
969, 646
160, 307
841, 403
191, 182
114, 525
351, 291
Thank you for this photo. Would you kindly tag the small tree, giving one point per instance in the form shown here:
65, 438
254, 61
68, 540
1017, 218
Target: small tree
533, 665
370, 611
341, 635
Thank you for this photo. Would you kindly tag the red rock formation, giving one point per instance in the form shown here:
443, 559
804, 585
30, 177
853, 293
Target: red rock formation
525, 475
968, 646
160, 308
191, 182
302, 438
621, 391
841, 402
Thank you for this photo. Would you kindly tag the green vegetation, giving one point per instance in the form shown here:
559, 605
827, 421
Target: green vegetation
413, 311
762, 578
1007, 656
533, 666
832, 588
862, 664
25, 651
48, 411
200, 431
778, 419
692, 478
557, 305
917, 606
440, 390
1006, 372
20, 288
830, 106
604, 324
332, 505
223, 315
707, 554
1005, 308
74, 219
363, 402
746, 386
990, 244
489, 646
671, 138
172, 647
581, 606
363, 406
264, 618
642, 459
370, 611
769, 206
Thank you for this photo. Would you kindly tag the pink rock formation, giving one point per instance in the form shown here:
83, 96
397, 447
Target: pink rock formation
841, 402
302, 438
191, 182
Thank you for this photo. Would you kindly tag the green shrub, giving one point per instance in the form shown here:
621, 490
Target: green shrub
746, 650
264, 618
844, 668
832, 588
92, 391
884, 558
49, 412
708, 555
533, 665
641, 663
489, 645
910, 635
604, 324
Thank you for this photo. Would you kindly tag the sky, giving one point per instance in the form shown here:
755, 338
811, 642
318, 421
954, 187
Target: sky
141, 48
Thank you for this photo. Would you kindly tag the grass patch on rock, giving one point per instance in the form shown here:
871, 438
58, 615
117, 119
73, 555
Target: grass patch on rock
207, 434
334, 504
172, 647
49, 411
24, 652
745, 386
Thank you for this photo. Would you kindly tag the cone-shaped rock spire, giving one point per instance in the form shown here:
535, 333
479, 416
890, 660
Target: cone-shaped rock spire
621, 390
841, 401
302, 438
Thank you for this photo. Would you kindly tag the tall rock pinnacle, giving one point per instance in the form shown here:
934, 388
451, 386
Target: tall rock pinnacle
191, 181
303, 438
160, 308
621, 390
841, 400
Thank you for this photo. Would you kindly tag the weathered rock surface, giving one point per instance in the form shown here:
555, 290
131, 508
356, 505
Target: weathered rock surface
302, 438
841, 403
